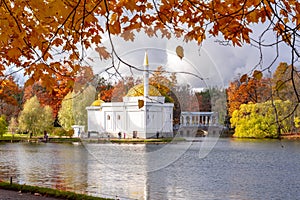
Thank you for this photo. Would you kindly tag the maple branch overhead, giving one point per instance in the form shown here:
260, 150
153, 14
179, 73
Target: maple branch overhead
33, 37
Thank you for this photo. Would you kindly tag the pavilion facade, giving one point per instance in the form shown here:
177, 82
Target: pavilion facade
142, 114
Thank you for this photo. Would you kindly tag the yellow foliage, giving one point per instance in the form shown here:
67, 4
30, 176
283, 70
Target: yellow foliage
297, 122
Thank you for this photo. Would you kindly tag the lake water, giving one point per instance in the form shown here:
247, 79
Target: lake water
205, 169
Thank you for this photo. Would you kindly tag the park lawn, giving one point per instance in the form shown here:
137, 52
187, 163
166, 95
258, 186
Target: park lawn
16, 137
8, 137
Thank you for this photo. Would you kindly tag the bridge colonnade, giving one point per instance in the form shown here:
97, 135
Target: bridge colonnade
198, 119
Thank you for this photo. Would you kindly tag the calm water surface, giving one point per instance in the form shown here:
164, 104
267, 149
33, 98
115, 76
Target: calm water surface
232, 169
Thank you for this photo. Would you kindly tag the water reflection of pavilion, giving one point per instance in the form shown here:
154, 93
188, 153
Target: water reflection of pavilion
106, 170
131, 171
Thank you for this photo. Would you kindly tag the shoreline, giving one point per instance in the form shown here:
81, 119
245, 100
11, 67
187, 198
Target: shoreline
133, 140
291, 136
18, 191
93, 140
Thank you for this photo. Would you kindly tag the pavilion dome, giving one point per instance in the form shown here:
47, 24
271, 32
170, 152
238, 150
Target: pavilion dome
138, 90
97, 102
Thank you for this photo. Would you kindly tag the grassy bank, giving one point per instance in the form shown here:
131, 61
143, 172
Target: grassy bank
39, 138
13, 138
47, 192
56, 139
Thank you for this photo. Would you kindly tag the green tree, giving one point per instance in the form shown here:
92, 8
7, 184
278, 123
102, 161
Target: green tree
218, 103
34, 118
65, 114
13, 125
3, 125
259, 120
204, 100
80, 101
47, 119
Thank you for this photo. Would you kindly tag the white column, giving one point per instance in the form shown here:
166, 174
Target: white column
146, 86
217, 119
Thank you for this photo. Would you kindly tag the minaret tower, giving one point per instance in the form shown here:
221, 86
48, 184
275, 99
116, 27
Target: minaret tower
146, 77
146, 93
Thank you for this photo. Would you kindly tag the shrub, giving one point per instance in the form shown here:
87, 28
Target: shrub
259, 120
59, 131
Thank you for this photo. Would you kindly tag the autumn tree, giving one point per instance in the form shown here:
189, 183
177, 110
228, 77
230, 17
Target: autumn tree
283, 85
104, 88
84, 77
51, 98
46, 45
253, 89
186, 98
161, 77
39, 91
165, 82
122, 87
10, 98
34, 118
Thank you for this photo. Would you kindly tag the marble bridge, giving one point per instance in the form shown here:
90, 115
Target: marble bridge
199, 124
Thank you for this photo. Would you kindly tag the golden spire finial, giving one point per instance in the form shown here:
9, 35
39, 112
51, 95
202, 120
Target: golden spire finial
146, 63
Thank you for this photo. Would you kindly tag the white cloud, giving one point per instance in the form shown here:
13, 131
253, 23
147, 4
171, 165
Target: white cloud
216, 63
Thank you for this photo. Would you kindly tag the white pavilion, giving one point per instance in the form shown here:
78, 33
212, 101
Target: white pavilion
142, 114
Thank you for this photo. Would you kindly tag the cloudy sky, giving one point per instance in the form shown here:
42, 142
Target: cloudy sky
216, 64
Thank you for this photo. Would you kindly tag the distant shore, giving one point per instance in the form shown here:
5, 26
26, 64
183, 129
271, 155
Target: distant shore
90, 140
133, 140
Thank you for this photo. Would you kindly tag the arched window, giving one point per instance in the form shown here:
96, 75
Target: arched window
108, 117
